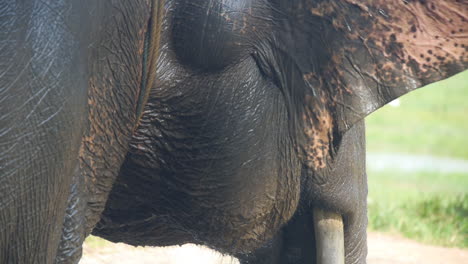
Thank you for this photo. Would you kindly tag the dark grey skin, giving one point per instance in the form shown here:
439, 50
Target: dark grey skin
253, 122
69, 87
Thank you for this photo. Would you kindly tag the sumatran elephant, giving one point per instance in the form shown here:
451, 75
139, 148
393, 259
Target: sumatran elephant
236, 124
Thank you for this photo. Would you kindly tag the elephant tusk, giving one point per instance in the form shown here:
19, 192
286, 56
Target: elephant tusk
329, 237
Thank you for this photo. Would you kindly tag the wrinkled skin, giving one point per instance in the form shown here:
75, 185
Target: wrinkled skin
254, 118
69, 85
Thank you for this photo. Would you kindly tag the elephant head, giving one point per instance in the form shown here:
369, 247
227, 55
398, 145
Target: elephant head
228, 123
254, 124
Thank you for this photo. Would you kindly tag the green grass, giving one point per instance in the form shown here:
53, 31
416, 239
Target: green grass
96, 242
432, 120
428, 207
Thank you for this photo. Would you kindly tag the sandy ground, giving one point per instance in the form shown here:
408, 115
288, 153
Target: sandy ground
383, 249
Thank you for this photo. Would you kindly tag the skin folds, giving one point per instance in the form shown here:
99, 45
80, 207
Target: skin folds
252, 123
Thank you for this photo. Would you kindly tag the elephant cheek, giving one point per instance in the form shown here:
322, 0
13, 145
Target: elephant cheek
248, 211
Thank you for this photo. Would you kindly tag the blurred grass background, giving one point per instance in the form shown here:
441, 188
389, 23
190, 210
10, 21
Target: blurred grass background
431, 207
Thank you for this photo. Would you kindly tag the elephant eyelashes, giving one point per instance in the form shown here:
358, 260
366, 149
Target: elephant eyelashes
265, 67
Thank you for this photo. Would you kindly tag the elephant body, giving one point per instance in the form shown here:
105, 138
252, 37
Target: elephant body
224, 123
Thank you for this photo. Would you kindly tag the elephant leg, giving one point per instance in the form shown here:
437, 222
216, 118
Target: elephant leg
73, 230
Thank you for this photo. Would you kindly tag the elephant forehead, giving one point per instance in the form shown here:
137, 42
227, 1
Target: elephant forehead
210, 35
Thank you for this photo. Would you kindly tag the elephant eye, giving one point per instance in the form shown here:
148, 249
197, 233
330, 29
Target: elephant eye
211, 35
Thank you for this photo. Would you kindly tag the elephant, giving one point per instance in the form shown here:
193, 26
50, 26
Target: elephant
235, 124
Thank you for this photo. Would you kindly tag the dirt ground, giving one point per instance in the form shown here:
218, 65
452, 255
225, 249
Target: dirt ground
383, 249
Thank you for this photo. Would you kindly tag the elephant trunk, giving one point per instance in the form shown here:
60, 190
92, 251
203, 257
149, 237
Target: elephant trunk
329, 237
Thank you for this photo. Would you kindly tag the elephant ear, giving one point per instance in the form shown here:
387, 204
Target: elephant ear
384, 49
374, 52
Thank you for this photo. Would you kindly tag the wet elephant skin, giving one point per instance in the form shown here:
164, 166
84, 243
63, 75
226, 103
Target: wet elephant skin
254, 119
